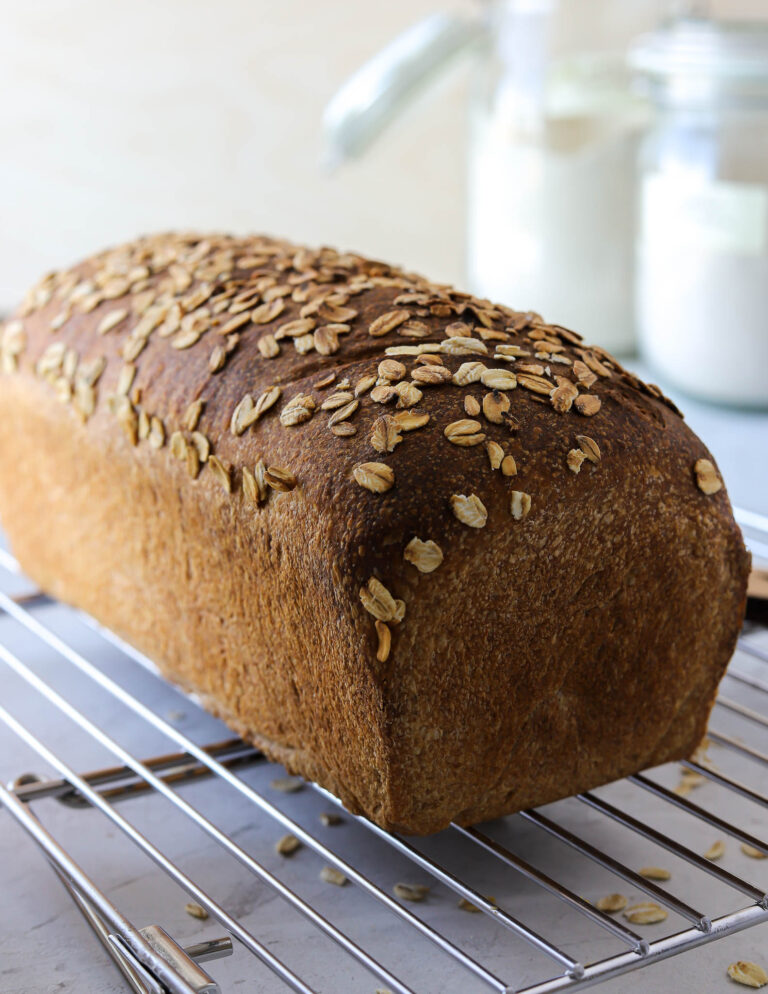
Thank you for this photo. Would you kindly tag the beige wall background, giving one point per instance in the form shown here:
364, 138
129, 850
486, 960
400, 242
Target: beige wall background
117, 119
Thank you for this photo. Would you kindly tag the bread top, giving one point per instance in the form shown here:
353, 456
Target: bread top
268, 369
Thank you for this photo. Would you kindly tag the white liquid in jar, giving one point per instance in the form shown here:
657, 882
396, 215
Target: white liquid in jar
551, 223
703, 285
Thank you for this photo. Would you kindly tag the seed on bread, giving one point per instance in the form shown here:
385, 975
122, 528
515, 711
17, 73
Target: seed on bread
469, 372
469, 510
268, 346
266, 313
391, 369
143, 430
156, 437
383, 394
364, 384
280, 479
234, 323
298, 409
217, 359
111, 320
251, 489
325, 381
243, 415
342, 413
495, 406
295, 329
589, 447
192, 414
425, 556
222, 472
385, 641
519, 505
343, 430
464, 432
495, 454
387, 322
335, 400
471, 405
385, 433
498, 379
408, 394
374, 476
411, 420
564, 394
587, 404
267, 399
431, 375
463, 346
379, 602
707, 479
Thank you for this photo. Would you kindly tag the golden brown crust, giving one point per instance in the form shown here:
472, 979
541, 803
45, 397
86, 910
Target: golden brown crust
528, 586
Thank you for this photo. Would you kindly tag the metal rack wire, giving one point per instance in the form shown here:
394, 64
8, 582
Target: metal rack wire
153, 963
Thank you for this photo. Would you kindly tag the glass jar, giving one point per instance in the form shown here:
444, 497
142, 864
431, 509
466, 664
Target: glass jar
702, 249
554, 132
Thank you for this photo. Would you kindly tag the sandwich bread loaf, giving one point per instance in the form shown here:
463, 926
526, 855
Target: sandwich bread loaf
434, 553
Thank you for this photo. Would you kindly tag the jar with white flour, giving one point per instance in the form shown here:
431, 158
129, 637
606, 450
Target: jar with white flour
702, 248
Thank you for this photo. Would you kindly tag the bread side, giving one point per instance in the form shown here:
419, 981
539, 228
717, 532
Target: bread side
431, 552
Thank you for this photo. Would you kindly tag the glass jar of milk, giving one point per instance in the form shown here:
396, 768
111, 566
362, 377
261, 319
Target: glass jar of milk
702, 249
554, 133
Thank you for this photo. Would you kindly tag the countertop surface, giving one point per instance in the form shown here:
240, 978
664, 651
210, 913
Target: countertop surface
45, 946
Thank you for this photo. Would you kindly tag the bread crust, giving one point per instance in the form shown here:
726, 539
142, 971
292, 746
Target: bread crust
576, 636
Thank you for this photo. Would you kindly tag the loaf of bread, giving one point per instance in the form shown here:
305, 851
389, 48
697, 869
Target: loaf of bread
431, 552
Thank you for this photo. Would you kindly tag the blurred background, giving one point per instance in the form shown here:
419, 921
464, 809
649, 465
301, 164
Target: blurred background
604, 162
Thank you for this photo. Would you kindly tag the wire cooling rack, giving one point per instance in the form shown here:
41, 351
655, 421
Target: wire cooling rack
214, 842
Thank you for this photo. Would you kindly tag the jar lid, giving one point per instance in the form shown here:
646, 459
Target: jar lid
694, 57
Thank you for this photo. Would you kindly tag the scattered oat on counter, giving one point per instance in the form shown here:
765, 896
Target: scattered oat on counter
645, 913
612, 902
466, 905
195, 910
716, 850
333, 876
287, 845
654, 873
748, 974
330, 818
411, 892
287, 785
752, 852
